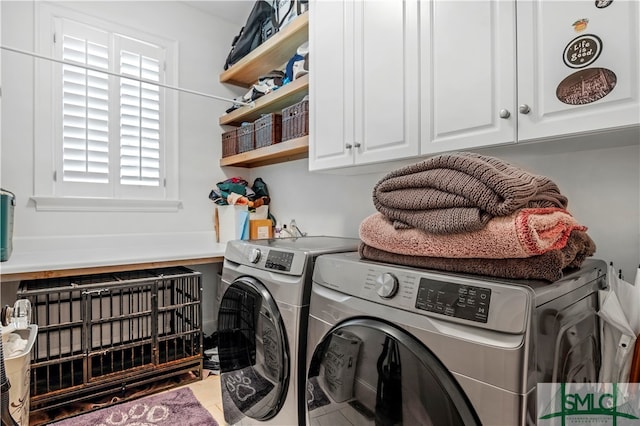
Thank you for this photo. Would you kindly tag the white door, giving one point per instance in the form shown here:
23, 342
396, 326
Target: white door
364, 82
331, 81
468, 74
577, 66
387, 80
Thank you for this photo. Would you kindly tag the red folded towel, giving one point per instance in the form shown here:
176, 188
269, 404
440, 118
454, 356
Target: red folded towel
525, 233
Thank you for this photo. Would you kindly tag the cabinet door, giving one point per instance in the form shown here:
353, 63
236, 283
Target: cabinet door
577, 66
363, 81
387, 80
331, 80
468, 74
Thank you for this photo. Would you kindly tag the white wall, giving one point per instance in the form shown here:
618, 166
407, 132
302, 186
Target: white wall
600, 175
204, 43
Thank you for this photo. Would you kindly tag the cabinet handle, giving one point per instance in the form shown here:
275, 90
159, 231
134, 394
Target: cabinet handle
504, 113
348, 146
524, 109
357, 144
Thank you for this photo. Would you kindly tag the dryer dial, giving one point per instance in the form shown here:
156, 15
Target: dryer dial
387, 285
254, 255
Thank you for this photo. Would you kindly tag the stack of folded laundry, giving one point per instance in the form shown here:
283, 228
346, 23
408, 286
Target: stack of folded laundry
470, 213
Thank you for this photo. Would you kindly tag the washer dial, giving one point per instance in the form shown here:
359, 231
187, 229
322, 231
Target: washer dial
254, 255
387, 285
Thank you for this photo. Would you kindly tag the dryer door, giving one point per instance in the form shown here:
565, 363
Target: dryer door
253, 352
367, 371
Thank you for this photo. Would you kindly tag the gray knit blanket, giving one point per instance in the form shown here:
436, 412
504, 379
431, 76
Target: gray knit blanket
460, 192
548, 266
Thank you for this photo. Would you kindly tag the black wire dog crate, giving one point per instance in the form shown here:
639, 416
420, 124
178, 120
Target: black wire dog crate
114, 334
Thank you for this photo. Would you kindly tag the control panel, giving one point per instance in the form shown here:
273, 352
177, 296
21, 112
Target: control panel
279, 260
456, 300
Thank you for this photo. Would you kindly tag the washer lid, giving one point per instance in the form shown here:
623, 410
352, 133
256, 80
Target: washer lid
253, 352
372, 372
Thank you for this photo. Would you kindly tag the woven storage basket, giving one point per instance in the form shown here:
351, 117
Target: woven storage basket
246, 138
268, 130
229, 143
295, 120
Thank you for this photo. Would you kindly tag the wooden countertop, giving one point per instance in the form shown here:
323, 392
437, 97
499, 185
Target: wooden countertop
49, 257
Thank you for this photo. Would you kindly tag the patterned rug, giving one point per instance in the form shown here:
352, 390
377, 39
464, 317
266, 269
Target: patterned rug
241, 390
176, 407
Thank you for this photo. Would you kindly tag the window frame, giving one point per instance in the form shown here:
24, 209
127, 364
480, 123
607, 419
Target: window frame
47, 168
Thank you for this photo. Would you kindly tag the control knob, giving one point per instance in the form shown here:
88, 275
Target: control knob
387, 285
254, 255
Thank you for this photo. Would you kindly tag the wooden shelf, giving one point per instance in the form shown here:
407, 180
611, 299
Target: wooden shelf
283, 97
270, 55
293, 149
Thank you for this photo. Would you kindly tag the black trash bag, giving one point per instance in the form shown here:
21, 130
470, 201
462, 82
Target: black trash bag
260, 188
252, 35
388, 409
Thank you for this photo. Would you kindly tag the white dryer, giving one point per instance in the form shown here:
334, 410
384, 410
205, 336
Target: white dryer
390, 345
262, 326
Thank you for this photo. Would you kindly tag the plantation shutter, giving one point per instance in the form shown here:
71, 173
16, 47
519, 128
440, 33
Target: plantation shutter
85, 107
140, 114
110, 140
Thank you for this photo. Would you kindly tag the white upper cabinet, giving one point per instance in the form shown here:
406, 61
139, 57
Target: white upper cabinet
395, 79
364, 74
572, 70
468, 74
577, 66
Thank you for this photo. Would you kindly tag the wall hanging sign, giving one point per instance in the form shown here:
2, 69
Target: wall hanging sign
601, 4
586, 86
582, 51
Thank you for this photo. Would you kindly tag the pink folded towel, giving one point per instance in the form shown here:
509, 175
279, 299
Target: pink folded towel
527, 232
548, 266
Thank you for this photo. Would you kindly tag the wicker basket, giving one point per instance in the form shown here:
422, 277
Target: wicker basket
268, 130
295, 120
229, 143
246, 138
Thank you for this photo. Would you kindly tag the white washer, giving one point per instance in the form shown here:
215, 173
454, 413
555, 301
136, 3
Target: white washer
389, 344
262, 326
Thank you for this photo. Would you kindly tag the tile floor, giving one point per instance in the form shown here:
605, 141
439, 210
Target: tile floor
210, 396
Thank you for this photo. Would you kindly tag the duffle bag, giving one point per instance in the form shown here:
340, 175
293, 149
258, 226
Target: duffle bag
253, 34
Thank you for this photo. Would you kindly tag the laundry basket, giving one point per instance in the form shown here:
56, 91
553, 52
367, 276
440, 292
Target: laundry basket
17, 366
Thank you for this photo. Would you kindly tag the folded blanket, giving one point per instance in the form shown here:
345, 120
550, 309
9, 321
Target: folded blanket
460, 192
547, 266
525, 233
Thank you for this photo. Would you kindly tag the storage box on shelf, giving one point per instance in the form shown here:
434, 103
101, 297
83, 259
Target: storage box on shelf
268, 130
295, 120
246, 138
230, 143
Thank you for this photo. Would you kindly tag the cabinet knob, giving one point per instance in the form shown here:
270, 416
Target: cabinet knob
524, 109
357, 144
348, 146
504, 113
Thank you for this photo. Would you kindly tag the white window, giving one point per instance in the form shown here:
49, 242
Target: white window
111, 137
